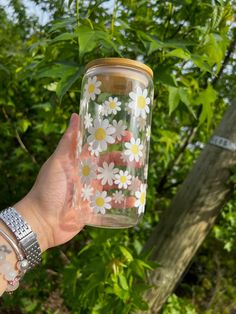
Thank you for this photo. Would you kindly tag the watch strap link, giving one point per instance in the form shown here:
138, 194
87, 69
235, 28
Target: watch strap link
26, 238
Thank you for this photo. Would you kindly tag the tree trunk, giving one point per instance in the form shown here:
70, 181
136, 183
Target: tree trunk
186, 223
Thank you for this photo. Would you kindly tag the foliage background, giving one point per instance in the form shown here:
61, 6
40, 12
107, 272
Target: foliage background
190, 45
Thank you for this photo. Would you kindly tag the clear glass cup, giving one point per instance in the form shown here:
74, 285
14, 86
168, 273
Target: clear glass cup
113, 146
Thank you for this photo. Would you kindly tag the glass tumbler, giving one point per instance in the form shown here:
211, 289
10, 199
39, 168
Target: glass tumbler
113, 145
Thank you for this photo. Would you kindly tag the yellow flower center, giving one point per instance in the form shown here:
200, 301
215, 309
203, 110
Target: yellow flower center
100, 134
91, 88
86, 170
142, 198
134, 149
141, 102
123, 179
100, 201
112, 105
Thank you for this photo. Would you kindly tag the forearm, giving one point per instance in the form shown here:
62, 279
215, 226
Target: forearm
26, 209
10, 256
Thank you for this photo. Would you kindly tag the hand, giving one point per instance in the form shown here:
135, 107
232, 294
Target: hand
48, 206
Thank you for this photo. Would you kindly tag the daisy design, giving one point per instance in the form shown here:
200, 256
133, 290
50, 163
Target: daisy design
107, 173
128, 109
87, 171
145, 172
101, 134
135, 185
100, 202
148, 133
118, 197
141, 123
124, 158
87, 192
92, 88
134, 149
123, 179
112, 105
119, 129
93, 152
79, 144
139, 102
88, 120
140, 199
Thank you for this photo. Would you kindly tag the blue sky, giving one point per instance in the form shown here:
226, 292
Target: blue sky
32, 9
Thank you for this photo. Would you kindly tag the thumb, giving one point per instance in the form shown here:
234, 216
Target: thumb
69, 139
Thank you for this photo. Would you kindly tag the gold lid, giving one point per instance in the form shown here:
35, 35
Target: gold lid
120, 61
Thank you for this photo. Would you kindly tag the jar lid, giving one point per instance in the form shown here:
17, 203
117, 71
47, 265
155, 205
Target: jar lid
120, 62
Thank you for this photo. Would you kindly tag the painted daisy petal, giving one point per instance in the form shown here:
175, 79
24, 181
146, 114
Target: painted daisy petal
118, 197
148, 132
101, 134
87, 171
123, 179
88, 120
135, 185
120, 128
87, 192
100, 202
107, 173
112, 105
134, 149
140, 199
139, 102
92, 88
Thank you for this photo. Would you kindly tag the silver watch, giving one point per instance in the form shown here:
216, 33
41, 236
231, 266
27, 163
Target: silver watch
26, 238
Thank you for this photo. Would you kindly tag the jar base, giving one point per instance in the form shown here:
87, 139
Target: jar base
114, 222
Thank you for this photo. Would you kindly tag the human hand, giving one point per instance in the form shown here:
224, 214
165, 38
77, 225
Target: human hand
48, 206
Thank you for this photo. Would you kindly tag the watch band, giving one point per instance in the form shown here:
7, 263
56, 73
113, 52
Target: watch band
26, 238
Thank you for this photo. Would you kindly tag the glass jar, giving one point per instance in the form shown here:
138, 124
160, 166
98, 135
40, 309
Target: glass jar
113, 146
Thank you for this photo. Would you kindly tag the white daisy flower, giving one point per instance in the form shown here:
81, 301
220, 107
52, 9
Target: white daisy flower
135, 185
128, 109
101, 134
107, 173
93, 152
88, 120
139, 102
141, 123
118, 197
112, 105
92, 88
124, 158
148, 133
134, 149
100, 202
140, 199
87, 192
145, 172
119, 129
87, 171
79, 144
123, 179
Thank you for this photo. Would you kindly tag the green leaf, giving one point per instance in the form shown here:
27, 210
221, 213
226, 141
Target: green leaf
206, 98
185, 97
179, 53
90, 38
64, 37
67, 81
57, 70
173, 99
126, 253
123, 282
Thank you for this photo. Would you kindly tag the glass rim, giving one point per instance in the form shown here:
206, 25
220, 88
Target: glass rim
120, 62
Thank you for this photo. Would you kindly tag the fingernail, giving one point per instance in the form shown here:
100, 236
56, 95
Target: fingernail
72, 119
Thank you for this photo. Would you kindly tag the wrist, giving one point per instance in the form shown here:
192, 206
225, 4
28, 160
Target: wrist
30, 211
